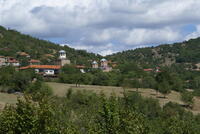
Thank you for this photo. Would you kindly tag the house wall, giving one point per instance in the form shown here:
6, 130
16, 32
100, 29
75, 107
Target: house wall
49, 71
15, 64
104, 64
64, 62
2, 61
95, 66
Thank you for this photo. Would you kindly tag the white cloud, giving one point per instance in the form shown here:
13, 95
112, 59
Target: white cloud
106, 52
90, 24
151, 36
194, 34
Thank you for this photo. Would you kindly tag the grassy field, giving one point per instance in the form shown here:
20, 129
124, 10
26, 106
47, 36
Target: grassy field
7, 99
60, 90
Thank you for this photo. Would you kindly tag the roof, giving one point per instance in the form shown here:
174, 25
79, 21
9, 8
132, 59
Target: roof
62, 51
94, 62
23, 54
102, 60
42, 67
12, 61
149, 69
34, 61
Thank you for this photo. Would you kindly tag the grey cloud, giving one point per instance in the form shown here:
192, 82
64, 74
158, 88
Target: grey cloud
125, 24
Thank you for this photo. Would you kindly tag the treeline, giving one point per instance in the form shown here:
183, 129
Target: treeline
131, 75
26, 81
86, 112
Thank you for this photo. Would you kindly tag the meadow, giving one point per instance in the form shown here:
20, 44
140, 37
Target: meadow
60, 90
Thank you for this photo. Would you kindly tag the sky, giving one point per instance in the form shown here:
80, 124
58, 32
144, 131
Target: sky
104, 26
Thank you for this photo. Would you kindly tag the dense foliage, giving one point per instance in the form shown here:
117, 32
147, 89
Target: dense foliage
86, 112
185, 52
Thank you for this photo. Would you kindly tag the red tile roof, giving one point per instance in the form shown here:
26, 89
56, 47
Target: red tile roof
149, 69
13, 61
42, 67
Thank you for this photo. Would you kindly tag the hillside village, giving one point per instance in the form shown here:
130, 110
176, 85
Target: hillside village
53, 69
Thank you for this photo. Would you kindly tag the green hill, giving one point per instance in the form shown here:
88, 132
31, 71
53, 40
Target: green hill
12, 42
185, 52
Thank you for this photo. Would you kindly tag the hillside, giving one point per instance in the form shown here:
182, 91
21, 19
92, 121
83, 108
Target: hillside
185, 52
12, 42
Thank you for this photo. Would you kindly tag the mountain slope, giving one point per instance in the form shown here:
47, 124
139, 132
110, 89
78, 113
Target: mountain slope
12, 42
185, 52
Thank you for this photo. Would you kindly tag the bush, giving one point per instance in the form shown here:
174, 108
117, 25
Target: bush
187, 97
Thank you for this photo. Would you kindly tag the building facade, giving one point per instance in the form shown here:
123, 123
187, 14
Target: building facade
63, 58
95, 64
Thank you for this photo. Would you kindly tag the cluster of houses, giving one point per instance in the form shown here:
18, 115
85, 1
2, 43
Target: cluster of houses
6, 61
103, 65
53, 70
10, 61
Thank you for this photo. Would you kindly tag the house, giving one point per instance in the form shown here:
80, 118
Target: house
103, 65
34, 62
10, 61
157, 70
95, 64
45, 70
148, 70
2, 60
49, 70
23, 54
113, 64
81, 68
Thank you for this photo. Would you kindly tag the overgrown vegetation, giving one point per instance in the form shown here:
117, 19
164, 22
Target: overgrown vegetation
86, 112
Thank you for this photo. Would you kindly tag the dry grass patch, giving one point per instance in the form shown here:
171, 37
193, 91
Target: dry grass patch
61, 89
7, 99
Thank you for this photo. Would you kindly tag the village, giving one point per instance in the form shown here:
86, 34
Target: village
53, 69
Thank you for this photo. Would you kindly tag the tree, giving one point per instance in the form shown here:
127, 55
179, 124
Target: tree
187, 97
163, 88
109, 120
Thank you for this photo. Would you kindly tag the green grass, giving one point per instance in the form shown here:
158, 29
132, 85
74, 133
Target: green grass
61, 89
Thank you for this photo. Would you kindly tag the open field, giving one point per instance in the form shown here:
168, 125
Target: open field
61, 89
7, 99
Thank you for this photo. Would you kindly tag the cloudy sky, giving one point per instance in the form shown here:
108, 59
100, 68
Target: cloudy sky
104, 26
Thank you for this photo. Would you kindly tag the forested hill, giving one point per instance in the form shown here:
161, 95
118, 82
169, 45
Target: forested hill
12, 42
185, 52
